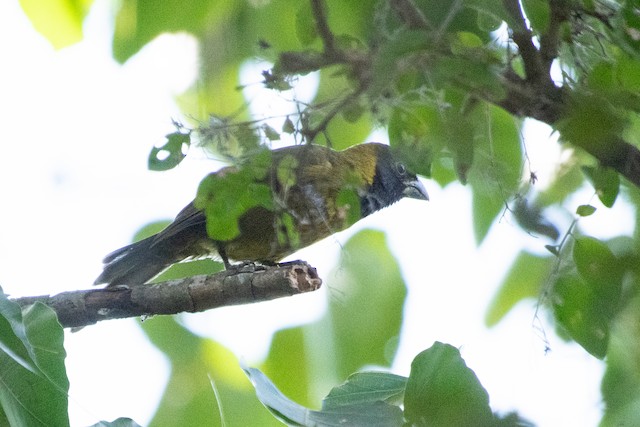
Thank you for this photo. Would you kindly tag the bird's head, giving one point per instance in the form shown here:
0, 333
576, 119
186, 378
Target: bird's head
388, 178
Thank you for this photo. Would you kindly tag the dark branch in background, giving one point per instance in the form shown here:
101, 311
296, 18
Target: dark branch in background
410, 14
319, 9
193, 294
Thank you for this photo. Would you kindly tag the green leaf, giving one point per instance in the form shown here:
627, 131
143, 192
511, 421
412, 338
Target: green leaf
538, 13
270, 133
596, 264
34, 385
621, 380
59, 21
606, 182
305, 25
525, 278
171, 153
443, 391
366, 387
200, 370
577, 308
226, 195
375, 413
417, 133
495, 175
140, 21
585, 210
291, 370
366, 320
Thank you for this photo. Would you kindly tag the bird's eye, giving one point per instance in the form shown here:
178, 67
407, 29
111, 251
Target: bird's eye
401, 169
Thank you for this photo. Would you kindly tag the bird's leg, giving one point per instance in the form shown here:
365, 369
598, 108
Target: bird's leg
242, 267
223, 255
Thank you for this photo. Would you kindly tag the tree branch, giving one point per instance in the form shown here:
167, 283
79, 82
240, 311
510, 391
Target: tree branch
193, 294
319, 9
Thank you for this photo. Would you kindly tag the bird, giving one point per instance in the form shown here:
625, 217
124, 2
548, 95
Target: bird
303, 194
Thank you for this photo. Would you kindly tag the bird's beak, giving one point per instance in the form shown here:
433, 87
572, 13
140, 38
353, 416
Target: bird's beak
415, 190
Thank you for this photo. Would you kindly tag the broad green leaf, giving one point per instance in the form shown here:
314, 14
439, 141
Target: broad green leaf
374, 413
597, 265
13, 337
496, 170
59, 21
291, 369
578, 310
538, 13
606, 182
367, 317
366, 387
140, 21
525, 279
443, 391
305, 25
198, 365
594, 124
33, 386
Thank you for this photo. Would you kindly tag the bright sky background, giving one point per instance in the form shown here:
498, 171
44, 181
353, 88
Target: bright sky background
76, 132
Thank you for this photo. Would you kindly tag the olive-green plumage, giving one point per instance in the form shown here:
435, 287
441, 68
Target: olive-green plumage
315, 191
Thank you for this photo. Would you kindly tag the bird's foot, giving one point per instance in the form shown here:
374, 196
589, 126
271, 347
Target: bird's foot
245, 267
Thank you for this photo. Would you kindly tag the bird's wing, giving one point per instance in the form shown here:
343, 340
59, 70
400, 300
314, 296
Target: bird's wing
188, 218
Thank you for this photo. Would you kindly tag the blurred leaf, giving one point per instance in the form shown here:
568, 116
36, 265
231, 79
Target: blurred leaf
443, 391
305, 25
366, 387
525, 279
34, 385
585, 210
197, 365
366, 319
621, 380
606, 183
416, 132
538, 13
374, 413
171, 153
340, 133
288, 127
59, 21
291, 370
578, 310
140, 21
596, 264
496, 171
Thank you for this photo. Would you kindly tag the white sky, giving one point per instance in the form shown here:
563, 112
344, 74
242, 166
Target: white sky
76, 132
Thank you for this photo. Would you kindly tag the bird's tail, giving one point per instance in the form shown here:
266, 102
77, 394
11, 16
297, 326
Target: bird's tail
134, 263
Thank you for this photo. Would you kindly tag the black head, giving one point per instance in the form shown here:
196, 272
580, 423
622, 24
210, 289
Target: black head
391, 182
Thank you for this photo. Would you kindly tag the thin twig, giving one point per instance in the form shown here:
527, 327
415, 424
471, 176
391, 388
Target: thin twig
319, 10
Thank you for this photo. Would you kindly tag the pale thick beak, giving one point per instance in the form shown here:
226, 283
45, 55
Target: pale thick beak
415, 190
